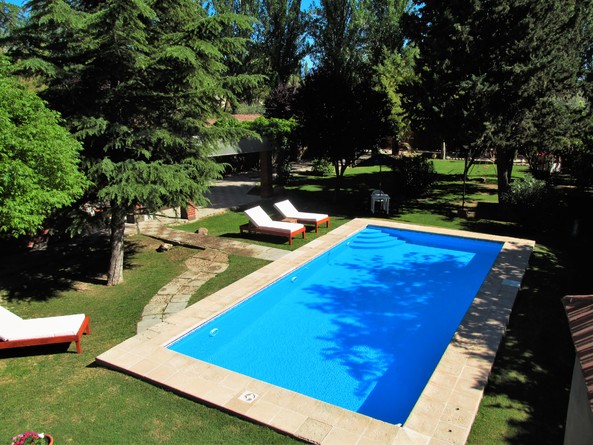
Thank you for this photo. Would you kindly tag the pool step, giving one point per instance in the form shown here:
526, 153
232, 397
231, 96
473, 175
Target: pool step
375, 240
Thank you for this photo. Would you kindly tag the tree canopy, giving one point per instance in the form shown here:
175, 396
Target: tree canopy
139, 83
39, 159
501, 75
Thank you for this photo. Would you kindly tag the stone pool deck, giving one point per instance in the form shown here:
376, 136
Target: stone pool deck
443, 414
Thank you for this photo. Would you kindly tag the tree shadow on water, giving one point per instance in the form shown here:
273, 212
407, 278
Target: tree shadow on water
385, 321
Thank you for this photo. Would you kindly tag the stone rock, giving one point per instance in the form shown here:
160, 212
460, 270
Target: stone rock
202, 231
164, 247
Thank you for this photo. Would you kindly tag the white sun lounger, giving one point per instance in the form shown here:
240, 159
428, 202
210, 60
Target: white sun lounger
16, 332
288, 211
260, 222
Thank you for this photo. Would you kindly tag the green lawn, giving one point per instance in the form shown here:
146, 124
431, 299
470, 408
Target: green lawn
66, 395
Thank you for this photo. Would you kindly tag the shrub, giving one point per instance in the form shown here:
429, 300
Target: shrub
414, 176
321, 167
581, 169
527, 192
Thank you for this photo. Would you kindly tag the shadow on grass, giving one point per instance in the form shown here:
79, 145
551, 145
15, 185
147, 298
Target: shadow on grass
534, 363
41, 275
31, 351
533, 367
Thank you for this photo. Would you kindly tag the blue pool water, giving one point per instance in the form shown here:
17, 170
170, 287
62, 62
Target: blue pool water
362, 326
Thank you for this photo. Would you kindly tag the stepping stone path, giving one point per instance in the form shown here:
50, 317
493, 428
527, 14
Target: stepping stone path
175, 295
211, 260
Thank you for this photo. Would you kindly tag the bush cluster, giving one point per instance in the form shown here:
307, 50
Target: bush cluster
321, 167
414, 176
528, 192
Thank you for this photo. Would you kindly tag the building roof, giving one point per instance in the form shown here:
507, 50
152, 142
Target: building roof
579, 310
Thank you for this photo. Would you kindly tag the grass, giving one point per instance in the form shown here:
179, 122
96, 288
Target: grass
239, 267
66, 395
227, 226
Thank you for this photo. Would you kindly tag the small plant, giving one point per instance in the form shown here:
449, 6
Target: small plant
321, 167
29, 438
527, 192
414, 176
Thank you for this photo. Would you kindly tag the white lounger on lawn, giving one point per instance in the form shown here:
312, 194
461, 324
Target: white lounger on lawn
287, 210
16, 332
260, 222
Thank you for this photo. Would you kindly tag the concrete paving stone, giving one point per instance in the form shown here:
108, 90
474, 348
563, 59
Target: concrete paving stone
146, 323
201, 278
154, 309
160, 299
181, 298
212, 256
169, 289
187, 275
175, 307
188, 289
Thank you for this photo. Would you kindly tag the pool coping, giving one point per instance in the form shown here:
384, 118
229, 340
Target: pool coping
445, 411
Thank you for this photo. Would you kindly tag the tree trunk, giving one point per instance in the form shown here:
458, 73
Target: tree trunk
116, 263
504, 165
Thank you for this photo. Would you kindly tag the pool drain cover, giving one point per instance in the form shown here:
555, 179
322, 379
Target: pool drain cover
248, 397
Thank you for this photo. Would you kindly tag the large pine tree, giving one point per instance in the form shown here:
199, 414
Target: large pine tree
143, 83
501, 74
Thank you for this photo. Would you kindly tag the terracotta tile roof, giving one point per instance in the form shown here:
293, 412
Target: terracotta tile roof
579, 310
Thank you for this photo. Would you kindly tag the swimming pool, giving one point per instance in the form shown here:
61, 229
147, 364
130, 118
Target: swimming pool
362, 326
445, 409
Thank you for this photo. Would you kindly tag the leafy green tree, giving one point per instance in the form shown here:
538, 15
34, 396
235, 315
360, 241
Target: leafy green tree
39, 159
338, 32
339, 120
276, 42
340, 110
385, 35
11, 17
397, 75
283, 38
280, 132
280, 101
246, 62
501, 75
142, 84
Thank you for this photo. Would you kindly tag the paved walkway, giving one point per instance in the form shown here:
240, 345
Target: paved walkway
211, 259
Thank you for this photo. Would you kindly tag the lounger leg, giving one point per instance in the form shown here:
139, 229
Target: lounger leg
78, 347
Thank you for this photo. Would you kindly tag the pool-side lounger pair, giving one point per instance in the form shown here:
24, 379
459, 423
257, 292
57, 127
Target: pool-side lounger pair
292, 224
